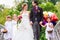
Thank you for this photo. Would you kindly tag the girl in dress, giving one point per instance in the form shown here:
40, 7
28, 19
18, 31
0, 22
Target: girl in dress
14, 26
25, 31
15, 19
8, 27
49, 29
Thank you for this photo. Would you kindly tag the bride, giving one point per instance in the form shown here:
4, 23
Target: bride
24, 31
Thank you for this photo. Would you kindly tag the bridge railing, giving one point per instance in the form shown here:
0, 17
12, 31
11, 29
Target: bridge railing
1, 33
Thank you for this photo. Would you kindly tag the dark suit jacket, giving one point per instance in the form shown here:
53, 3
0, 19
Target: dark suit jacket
36, 14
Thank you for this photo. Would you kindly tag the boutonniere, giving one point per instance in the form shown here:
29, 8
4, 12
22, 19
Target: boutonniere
38, 10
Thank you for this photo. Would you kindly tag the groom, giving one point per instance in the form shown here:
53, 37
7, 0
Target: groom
36, 16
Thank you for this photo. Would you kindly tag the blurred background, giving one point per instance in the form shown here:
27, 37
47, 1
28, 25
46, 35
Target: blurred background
10, 7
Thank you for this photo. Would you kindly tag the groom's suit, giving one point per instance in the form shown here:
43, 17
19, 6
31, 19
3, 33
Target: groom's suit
36, 16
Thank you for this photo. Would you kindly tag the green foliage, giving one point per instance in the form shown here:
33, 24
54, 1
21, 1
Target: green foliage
58, 8
19, 6
41, 1
13, 11
6, 12
29, 4
43, 34
53, 1
3, 15
48, 7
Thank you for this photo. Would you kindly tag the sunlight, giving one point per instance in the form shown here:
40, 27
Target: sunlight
7, 3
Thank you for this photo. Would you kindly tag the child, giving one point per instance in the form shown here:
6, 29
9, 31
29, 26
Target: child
15, 26
8, 27
49, 29
15, 19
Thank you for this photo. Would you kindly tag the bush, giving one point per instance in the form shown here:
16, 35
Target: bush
6, 12
58, 8
48, 7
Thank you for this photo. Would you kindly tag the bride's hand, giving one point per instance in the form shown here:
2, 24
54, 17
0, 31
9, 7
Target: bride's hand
31, 23
20, 17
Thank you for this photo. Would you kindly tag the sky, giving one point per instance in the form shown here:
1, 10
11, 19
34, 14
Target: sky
7, 3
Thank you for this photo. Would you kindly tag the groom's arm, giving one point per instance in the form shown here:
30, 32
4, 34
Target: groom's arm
41, 13
31, 15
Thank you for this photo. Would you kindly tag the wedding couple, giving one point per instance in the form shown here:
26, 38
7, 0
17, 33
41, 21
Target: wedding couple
29, 28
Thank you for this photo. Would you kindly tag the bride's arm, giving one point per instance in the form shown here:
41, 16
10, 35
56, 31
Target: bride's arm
19, 17
29, 15
20, 13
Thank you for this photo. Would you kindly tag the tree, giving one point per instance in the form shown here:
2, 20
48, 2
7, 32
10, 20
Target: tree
58, 8
1, 7
29, 4
48, 7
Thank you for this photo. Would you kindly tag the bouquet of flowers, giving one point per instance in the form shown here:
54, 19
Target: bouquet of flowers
19, 18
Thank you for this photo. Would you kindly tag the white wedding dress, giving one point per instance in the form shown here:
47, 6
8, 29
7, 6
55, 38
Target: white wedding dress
24, 31
14, 29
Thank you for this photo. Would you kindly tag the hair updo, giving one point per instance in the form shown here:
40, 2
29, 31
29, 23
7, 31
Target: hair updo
23, 5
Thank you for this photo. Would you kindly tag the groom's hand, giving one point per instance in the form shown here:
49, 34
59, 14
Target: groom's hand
31, 22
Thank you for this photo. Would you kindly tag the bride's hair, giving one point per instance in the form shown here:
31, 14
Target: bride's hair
23, 5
